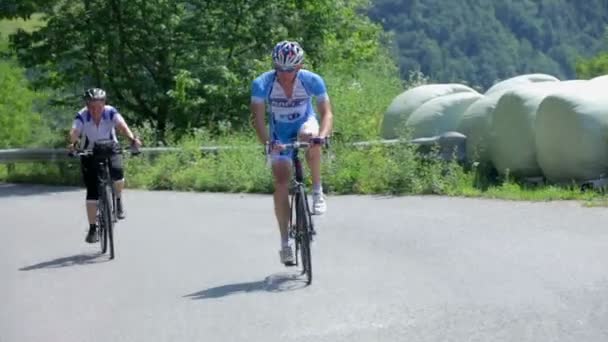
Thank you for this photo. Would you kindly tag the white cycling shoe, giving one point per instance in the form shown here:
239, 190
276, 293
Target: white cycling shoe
286, 255
319, 206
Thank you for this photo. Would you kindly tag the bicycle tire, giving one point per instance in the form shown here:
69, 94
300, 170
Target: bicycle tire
303, 228
114, 213
293, 231
102, 231
107, 213
101, 224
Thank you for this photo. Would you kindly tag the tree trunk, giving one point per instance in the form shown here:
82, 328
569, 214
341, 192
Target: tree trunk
161, 125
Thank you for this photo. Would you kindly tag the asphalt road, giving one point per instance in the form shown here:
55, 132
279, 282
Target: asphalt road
205, 267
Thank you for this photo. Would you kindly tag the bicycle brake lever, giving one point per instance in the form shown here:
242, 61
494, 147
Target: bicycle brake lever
320, 141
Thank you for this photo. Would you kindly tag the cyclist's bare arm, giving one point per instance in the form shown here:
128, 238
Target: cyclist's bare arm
74, 135
124, 129
327, 117
258, 111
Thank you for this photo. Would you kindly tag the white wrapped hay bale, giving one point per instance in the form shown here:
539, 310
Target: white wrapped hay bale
603, 78
512, 82
572, 134
476, 122
407, 102
440, 115
513, 140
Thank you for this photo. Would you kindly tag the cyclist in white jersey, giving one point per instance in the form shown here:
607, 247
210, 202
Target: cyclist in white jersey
288, 90
98, 121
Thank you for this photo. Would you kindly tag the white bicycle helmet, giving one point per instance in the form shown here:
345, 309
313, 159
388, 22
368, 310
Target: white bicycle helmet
287, 55
94, 94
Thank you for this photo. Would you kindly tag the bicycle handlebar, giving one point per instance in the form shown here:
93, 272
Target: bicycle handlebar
84, 153
80, 153
302, 144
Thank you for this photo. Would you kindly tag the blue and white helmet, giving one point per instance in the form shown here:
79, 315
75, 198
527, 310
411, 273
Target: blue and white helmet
287, 55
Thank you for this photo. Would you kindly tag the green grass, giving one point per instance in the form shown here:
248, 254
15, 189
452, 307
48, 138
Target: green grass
8, 27
513, 191
372, 171
11, 26
601, 201
359, 101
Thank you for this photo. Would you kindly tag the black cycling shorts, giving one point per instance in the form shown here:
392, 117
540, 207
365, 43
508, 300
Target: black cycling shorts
90, 175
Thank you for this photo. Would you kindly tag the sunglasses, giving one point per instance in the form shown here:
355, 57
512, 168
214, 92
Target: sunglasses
285, 69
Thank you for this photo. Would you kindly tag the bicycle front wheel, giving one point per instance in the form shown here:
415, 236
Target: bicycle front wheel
107, 217
303, 229
102, 227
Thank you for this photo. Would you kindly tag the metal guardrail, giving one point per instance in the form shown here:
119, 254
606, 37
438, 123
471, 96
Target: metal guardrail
447, 142
61, 154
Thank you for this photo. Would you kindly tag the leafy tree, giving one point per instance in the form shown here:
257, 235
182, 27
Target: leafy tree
479, 42
593, 67
18, 121
182, 64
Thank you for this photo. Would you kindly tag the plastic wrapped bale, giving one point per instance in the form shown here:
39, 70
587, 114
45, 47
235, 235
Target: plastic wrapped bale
512, 134
440, 115
603, 78
448, 146
407, 102
477, 119
512, 82
476, 123
572, 134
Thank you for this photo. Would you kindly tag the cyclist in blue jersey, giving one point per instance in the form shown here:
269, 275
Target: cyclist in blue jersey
95, 122
285, 95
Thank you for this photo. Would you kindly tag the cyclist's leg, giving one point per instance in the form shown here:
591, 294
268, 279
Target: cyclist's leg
117, 175
89, 173
281, 171
90, 180
310, 129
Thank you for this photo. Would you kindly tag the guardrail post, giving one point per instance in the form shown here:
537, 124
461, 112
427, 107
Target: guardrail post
10, 169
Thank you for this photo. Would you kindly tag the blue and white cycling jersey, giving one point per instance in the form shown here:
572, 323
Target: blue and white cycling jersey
84, 123
287, 115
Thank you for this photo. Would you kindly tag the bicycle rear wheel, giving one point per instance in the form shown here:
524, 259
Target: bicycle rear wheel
303, 229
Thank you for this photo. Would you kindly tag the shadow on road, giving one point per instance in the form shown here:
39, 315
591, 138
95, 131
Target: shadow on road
74, 260
279, 282
9, 189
